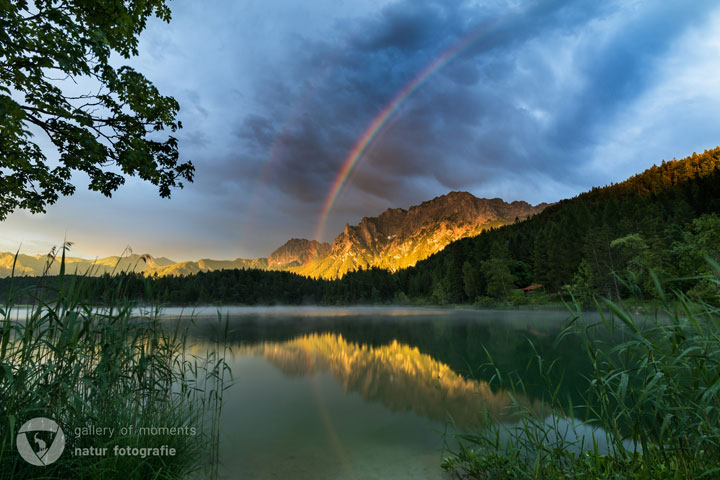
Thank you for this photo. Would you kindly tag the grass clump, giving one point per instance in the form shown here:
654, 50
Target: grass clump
93, 368
651, 408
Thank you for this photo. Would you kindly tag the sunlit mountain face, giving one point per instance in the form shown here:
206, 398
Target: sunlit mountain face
400, 238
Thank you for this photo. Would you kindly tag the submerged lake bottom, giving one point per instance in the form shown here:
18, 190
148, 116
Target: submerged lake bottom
364, 393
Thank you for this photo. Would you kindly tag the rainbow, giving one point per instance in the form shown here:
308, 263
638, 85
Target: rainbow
294, 116
380, 121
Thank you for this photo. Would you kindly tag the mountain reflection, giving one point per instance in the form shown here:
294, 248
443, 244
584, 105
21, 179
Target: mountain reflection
396, 375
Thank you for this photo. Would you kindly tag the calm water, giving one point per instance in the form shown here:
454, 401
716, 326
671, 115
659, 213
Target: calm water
360, 393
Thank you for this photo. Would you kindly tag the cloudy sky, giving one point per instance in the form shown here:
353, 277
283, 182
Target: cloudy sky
524, 100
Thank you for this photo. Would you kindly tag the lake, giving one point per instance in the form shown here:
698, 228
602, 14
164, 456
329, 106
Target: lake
359, 393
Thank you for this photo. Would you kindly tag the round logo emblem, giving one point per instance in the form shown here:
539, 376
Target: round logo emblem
40, 441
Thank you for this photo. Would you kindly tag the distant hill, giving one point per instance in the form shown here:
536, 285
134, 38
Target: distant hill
36, 265
207, 265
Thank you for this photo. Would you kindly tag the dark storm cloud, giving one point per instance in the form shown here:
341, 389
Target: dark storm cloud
407, 30
258, 132
493, 111
457, 129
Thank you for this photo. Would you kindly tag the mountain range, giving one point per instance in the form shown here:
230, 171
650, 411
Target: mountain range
395, 239
399, 238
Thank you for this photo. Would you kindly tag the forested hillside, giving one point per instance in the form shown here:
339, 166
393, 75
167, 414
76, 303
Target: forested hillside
603, 242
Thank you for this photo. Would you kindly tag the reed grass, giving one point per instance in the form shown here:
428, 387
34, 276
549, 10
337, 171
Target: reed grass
105, 366
651, 408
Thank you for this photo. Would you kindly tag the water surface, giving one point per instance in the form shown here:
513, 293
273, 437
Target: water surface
343, 393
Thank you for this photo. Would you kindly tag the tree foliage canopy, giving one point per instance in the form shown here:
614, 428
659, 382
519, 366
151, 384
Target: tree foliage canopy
51, 53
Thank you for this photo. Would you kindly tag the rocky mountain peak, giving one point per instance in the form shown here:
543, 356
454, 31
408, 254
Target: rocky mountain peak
399, 238
296, 252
